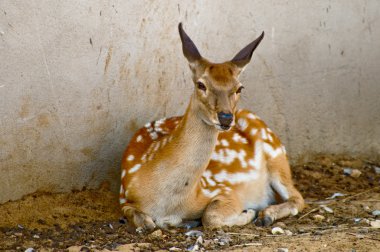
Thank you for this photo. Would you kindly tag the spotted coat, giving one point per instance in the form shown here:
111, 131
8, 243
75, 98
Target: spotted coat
239, 155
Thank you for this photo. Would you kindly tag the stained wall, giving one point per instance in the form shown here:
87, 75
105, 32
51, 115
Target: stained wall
77, 78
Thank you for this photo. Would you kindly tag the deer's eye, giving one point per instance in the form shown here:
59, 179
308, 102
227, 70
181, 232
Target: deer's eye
239, 90
201, 86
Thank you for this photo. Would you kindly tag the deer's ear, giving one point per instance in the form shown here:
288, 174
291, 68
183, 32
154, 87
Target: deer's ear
244, 56
188, 47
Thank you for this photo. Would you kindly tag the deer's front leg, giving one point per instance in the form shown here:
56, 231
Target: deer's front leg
226, 210
138, 219
281, 182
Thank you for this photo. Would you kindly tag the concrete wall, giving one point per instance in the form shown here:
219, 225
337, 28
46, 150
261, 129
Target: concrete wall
77, 78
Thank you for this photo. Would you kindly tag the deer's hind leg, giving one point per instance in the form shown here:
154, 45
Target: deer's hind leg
281, 182
226, 210
137, 218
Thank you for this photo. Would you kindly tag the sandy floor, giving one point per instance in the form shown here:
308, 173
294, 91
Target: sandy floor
90, 220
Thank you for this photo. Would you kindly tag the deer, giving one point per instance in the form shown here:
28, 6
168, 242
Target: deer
216, 163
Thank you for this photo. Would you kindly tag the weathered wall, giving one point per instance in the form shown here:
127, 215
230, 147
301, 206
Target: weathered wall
77, 78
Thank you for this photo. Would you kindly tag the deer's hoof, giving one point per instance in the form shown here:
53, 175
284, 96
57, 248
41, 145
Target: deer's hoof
143, 223
263, 221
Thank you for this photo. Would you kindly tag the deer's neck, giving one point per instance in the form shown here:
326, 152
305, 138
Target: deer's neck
195, 141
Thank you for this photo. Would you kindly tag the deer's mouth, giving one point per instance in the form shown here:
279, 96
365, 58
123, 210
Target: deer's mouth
222, 127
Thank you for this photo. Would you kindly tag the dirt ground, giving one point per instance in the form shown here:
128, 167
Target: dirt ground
90, 220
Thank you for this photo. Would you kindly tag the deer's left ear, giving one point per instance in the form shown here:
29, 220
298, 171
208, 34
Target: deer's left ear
188, 47
244, 56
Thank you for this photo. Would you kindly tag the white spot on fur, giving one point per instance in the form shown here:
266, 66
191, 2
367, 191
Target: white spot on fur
134, 168
121, 189
224, 142
153, 135
143, 158
147, 125
236, 177
209, 193
269, 150
139, 138
122, 201
251, 116
257, 159
123, 173
227, 156
156, 146
157, 125
253, 132
243, 124
207, 175
264, 134
130, 157
239, 139
164, 141
280, 189
270, 138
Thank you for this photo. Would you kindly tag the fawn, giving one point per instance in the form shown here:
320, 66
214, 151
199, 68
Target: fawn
215, 163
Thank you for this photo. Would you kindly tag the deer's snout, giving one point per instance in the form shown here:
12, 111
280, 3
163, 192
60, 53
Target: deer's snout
225, 120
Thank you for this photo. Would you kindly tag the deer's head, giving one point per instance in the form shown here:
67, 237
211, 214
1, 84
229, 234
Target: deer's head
217, 87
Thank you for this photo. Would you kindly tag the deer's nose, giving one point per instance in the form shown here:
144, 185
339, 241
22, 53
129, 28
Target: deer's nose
225, 119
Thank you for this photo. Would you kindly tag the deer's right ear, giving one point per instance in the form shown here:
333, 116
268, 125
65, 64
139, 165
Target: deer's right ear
188, 47
244, 56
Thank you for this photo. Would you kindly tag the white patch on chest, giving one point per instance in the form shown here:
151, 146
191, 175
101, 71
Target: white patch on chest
130, 157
